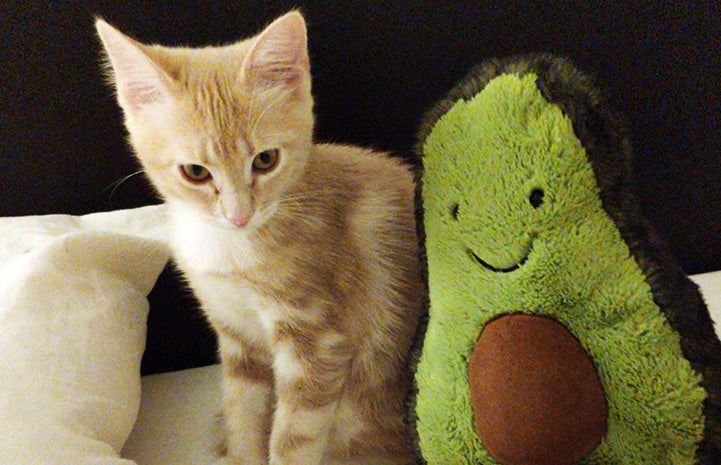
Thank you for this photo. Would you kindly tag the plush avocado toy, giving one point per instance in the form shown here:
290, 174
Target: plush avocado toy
560, 330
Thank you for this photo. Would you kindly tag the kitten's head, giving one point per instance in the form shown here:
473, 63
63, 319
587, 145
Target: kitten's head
220, 131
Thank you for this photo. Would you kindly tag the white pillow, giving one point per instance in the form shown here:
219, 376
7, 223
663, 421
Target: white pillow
73, 313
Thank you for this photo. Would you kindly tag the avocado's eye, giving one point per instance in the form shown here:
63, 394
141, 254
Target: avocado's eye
195, 174
536, 198
454, 211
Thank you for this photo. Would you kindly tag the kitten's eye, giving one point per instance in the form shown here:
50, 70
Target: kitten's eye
195, 173
266, 161
536, 198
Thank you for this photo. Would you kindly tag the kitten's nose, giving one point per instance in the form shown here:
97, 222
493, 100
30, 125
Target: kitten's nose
239, 219
236, 206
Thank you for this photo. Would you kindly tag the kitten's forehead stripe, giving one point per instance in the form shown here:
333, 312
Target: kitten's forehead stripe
219, 109
210, 81
207, 154
243, 147
221, 149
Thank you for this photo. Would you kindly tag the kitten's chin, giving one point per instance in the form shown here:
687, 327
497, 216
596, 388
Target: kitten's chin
193, 218
224, 223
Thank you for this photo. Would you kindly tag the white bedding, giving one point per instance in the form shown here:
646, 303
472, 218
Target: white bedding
72, 331
73, 314
177, 418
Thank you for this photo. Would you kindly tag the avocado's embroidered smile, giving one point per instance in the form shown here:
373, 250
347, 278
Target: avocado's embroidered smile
507, 269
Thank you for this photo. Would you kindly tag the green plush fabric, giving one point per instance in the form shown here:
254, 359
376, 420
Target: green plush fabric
562, 257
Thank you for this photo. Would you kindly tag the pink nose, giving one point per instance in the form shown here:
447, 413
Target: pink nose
240, 220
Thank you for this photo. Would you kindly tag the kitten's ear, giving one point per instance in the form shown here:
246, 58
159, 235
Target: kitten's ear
139, 81
279, 55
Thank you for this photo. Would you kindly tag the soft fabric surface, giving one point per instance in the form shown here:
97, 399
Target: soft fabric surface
515, 223
72, 332
178, 419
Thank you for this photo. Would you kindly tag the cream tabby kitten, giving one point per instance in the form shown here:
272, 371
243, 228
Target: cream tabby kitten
303, 256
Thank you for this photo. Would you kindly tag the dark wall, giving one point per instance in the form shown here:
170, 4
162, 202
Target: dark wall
377, 66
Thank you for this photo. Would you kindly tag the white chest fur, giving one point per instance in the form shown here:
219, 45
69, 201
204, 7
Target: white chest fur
214, 260
201, 247
235, 305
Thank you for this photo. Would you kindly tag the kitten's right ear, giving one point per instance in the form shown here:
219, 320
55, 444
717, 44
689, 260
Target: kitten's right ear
138, 80
279, 55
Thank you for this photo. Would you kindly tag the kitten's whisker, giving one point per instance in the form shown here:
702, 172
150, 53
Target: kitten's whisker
255, 95
301, 201
280, 96
284, 134
114, 186
251, 107
319, 194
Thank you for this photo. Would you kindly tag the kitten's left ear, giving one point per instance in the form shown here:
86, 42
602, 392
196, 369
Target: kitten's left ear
139, 81
279, 55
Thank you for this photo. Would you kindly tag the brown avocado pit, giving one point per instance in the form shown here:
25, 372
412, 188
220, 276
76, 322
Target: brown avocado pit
536, 395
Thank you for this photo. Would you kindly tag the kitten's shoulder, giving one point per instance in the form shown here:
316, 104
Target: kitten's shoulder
361, 163
354, 153
380, 187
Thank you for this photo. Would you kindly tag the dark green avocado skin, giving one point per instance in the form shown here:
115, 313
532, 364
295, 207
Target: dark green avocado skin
606, 140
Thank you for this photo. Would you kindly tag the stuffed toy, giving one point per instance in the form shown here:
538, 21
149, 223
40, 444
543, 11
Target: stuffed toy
560, 330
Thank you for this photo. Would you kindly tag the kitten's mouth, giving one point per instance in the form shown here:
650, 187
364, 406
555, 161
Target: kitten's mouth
504, 269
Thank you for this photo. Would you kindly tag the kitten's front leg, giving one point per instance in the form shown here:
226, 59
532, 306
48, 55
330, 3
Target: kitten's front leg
310, 374
247, 399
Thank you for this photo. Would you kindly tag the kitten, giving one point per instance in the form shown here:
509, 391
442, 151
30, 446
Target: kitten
303, 256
